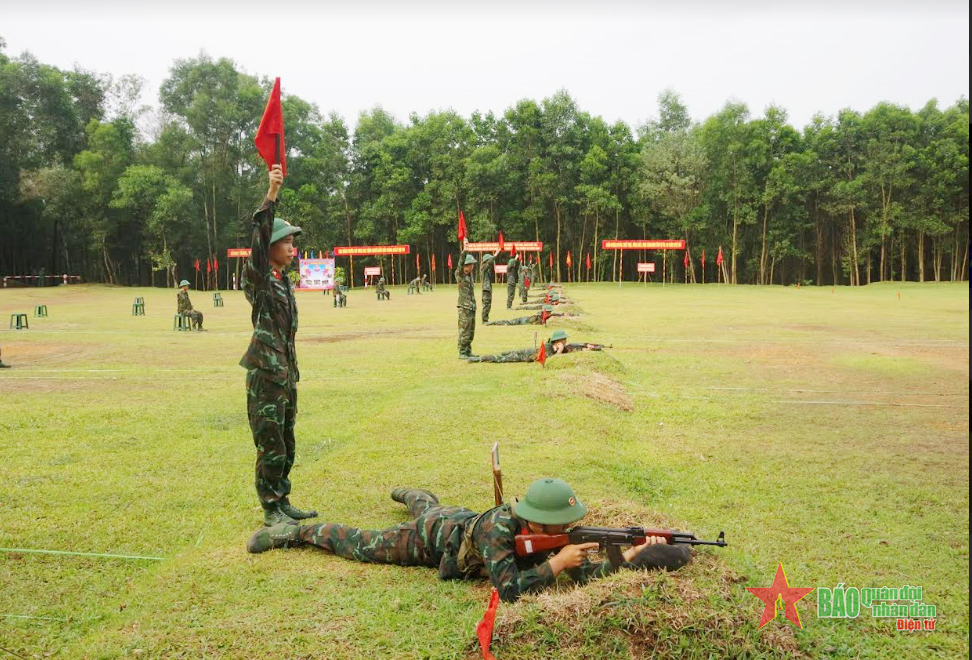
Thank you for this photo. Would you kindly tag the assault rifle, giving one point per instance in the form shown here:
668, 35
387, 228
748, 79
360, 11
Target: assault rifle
586, 346
609, 539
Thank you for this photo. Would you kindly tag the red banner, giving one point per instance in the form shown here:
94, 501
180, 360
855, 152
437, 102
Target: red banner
370, 250
643, 245
245, 252
512, 246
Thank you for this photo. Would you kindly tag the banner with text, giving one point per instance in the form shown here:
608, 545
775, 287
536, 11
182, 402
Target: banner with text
245, 252
643, 245
316, 274
646, 266
370, 250
521, 246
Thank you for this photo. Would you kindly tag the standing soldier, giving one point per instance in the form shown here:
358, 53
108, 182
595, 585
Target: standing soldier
466, 303
185, 306
426, 285
512, 272
271, 359
489, 275
340, 298
526, 277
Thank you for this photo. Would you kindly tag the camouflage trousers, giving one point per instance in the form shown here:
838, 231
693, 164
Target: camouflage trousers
413, 287
487, 303
340, 299
522, 320
510, 294
467, 330
383, 295
524, 291
196, 318
431, 539
521, 355
272, 411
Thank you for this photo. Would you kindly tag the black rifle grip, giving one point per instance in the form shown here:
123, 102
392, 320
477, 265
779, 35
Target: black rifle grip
614, 554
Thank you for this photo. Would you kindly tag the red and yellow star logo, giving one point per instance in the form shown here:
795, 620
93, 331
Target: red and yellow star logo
780, 590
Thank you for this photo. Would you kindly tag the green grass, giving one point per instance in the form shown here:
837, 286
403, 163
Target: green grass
829, 431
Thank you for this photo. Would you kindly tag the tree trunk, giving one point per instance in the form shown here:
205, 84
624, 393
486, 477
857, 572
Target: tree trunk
762, 252
557, 214
596, 233
921, 256
855, 274
735, 225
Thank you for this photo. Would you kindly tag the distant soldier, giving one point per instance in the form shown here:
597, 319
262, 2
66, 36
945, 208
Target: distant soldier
464, 545
271, 359
540, 318
512, 273
556, 345
381, 291
340, 297
526, 278
185, 306
415, 285
466, 303
426, 285
489, 275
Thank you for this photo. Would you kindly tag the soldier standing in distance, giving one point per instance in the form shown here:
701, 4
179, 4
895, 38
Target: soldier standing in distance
464, 545
466, 303
271, 359
489, 275
512, 272
185, 305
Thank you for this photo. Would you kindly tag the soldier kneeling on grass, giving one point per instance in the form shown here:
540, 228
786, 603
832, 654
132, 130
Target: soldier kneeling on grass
185, 306
465, 545
556, 345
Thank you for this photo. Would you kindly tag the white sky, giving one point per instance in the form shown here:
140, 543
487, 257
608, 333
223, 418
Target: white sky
613, 56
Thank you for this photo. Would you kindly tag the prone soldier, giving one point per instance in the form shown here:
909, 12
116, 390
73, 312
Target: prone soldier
556, 345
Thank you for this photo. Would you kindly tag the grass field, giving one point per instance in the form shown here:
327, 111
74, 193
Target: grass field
827, 430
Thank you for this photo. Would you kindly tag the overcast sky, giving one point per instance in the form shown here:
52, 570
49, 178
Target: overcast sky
613, 57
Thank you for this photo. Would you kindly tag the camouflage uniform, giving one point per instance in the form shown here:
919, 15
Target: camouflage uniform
426, 285
340, 298
536, 319
380, 291
529, 354
457, 541
415, 285
526, 277
489, 275
271, 363
512, 272
185, 309
467, 308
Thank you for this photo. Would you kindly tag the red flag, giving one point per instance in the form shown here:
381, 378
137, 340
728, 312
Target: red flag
513, 251
215, 264
569, 262
686, 259
269, 138
719, 259
588, 261
462, 227
551, 259
449, 262
197, 265
433, 264
543, 319
209, 266
542, 355
703, 257
502, 245
484, 629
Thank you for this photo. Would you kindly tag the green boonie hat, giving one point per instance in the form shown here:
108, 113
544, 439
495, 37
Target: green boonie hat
550, 502
183, 283
469, 260
558, 335
487, 257
283, 229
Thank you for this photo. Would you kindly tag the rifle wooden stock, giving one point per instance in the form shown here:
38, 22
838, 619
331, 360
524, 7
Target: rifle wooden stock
527, 544
608, 538
497, 476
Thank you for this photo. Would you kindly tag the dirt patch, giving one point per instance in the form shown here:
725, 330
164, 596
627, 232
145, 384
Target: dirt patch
365, 334
601, 388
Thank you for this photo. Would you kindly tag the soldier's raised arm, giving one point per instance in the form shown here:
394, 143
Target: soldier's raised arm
257, 268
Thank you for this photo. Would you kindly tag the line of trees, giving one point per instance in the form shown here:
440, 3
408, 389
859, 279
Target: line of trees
92, 183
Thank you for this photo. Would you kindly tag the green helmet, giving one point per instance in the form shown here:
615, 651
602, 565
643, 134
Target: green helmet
554, 295
183, 283
558, 335
550, 502
469, 260
548, 308
487, 257
283, 229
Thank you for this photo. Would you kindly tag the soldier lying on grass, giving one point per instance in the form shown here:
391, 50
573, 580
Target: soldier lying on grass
465, 545
557, 344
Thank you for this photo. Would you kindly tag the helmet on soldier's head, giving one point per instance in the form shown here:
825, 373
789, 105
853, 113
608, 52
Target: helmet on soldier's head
183, 283
487, 257
559, 335
469, 260
283, 229
548, 308
550, 502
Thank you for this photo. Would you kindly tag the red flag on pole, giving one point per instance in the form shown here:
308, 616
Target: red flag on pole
215, 264
703, 257
197, 265
569, 262
462, 227
449, 262
686, 261
502, 245
433, 265
513, 251
719, 259
269, 138
209, 266
484, 629
588, 261
542, 355
551, 259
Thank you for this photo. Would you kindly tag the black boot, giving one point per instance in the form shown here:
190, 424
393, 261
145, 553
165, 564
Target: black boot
294, 512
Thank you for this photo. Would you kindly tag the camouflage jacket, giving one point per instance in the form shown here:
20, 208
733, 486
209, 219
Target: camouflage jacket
274, 314
184, 305
513, 576
512, 271
467, 297
526, 274
489, 276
